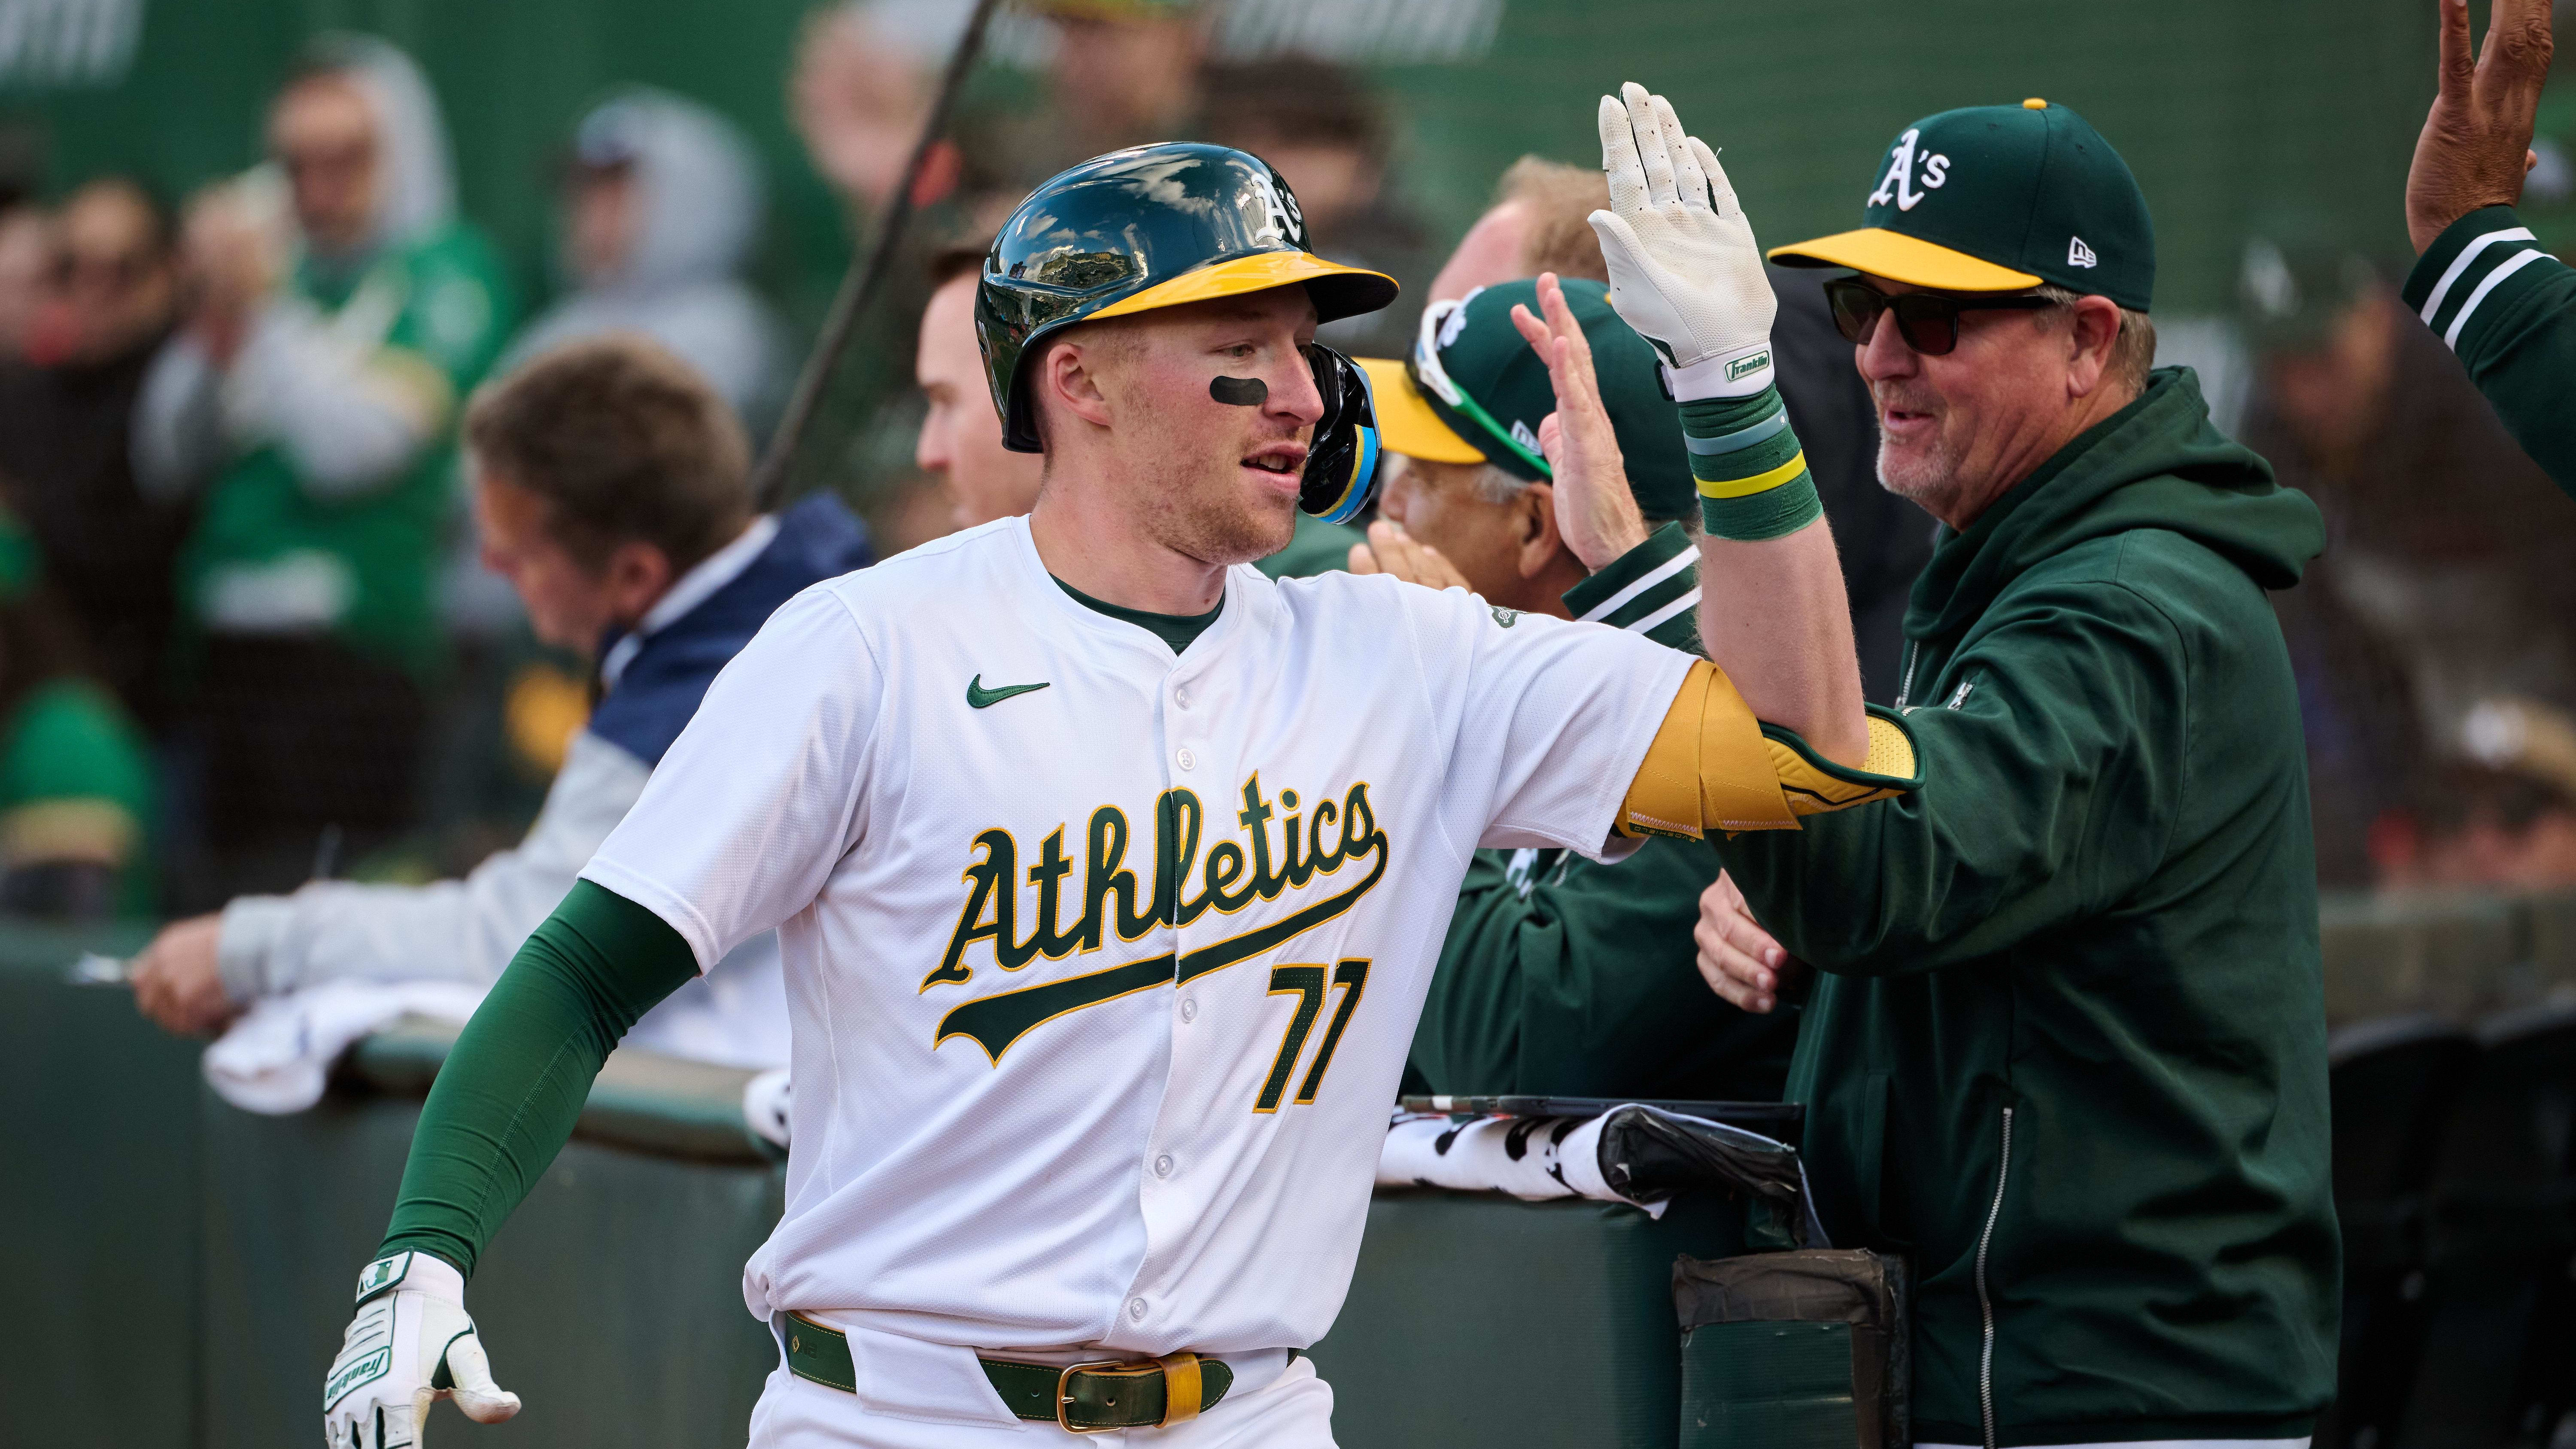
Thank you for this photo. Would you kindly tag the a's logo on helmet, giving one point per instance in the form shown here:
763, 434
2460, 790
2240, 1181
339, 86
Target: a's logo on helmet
1281, 223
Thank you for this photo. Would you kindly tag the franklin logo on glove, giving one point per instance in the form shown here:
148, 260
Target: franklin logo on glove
410, 1346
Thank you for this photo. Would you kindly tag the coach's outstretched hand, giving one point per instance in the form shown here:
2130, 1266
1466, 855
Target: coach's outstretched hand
2477, 138
1684, 270
1739, 959
410, 1345
1596, 509
1392, 551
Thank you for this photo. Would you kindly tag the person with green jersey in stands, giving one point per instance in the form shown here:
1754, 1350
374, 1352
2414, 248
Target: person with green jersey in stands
2481, 281
76, 790
310, 402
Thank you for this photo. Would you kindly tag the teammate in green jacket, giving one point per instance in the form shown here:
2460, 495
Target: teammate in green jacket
1559, 975
2066, 1050
2482, 282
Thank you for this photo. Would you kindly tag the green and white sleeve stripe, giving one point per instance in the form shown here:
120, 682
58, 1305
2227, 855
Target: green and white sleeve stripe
1752, 474
1652, 589
2509, 310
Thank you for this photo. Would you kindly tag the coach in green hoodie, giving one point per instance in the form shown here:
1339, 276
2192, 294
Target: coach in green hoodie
2066, 1053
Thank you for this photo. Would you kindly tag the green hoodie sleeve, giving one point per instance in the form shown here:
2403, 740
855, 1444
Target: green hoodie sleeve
1651, 590
1571, 977
2509, 310
1563, 976
507, 1097
2050, 773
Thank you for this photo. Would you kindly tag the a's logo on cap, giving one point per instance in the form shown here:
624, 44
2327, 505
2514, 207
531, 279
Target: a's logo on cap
1899, 183
2078, 254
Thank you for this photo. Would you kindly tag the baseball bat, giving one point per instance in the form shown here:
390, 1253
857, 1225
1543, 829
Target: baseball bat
865, 277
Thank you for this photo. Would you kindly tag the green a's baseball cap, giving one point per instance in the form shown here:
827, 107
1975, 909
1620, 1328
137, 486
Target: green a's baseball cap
1999, 199
1474, 392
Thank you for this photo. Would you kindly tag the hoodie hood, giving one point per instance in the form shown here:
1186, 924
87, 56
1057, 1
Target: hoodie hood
2157, 463
697, 182
416, 191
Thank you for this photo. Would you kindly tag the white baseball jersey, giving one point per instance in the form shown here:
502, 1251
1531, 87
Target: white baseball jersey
1104, 961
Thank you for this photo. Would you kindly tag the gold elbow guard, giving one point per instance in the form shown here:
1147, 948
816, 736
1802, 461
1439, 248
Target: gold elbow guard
1713, 766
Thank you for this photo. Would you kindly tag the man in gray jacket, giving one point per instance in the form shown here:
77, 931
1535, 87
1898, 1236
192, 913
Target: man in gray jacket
612, 490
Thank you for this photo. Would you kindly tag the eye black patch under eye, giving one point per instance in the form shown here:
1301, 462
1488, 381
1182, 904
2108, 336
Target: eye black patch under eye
1241, 392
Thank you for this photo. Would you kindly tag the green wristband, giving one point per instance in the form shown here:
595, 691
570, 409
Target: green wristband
1752, 475
1772, 513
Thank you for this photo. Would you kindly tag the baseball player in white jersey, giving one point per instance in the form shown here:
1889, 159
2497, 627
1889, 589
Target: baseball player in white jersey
1108, 874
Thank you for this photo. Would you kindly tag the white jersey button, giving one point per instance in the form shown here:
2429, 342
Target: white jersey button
1189, 1008
1181, 696
1187, 760
1136, 1309
1163, 1165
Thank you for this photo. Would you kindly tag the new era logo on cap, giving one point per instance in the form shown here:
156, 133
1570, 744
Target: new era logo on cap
2080, 255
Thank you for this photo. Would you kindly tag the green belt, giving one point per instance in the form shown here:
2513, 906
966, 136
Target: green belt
1086, 1398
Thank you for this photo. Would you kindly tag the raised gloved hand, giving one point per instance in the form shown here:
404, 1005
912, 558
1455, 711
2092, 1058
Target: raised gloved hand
1684, 270
410, 1345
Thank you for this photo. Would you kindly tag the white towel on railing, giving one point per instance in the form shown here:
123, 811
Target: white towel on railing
277, 1057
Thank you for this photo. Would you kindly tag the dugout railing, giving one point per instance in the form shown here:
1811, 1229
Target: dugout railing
174, 1270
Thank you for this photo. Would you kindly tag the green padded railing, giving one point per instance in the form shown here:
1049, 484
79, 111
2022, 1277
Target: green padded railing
178, 1270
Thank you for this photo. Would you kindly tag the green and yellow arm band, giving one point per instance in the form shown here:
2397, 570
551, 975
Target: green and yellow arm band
1713, 766
1752, 474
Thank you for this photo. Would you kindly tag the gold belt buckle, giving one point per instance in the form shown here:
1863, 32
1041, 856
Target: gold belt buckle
1064, 1400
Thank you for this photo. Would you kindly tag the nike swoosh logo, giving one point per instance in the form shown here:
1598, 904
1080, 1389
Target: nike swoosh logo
978, 697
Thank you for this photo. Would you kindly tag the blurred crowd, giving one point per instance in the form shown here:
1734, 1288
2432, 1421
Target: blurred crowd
246, 636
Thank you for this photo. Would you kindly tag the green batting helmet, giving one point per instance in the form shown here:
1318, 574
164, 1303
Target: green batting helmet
1148, 227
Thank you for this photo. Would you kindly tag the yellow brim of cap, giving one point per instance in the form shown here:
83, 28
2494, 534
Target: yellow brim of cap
1901, 258
1347, 291
1405, 423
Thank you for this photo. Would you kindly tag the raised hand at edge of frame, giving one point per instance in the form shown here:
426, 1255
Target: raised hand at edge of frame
1596, 509
2476, 144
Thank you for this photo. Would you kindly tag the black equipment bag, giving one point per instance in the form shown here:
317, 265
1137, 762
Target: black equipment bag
1805, 1349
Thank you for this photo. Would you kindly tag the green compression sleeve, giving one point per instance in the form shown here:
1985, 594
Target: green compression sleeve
505, 1102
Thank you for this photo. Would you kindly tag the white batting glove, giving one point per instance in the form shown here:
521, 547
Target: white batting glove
1684, 270
410, 1345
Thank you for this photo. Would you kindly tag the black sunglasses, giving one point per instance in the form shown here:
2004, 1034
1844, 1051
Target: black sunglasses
1929, 321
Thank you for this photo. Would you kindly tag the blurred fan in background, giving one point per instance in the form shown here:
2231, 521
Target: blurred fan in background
65, 458
338, 312
661, 207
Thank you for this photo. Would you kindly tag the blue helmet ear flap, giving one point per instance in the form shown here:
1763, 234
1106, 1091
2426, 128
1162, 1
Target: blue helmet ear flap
1341, 463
